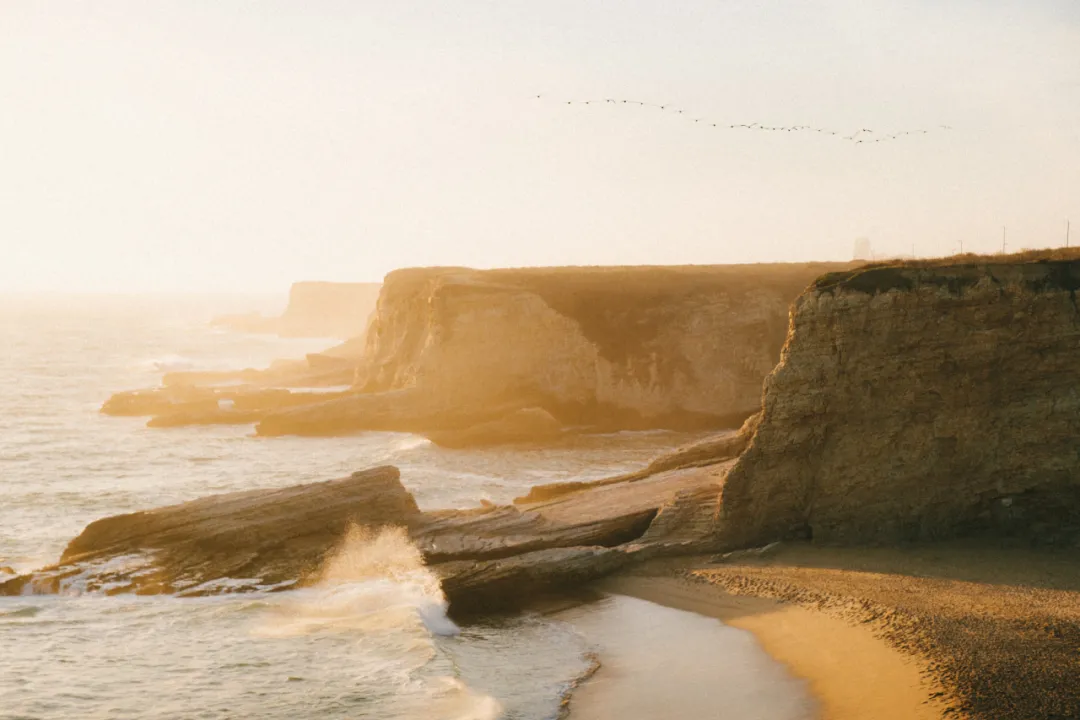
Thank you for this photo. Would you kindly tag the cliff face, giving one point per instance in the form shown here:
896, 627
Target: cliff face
628, 346
315, 309
326, 309
918, 402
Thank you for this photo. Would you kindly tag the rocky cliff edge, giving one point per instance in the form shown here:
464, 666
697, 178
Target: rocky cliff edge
920, 401
613, 347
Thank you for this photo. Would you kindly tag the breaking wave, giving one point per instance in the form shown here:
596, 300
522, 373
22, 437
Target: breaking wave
377, 585
374, 580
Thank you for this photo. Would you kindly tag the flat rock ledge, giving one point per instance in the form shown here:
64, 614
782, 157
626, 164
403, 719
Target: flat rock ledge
488, 558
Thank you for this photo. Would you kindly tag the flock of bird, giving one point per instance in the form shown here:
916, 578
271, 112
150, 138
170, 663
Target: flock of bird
860, 136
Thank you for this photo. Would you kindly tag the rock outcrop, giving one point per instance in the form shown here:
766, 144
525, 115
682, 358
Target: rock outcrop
268, 534
530, 425
610, 348
920, 401
486, 558
315, 309
717, 449
176, 405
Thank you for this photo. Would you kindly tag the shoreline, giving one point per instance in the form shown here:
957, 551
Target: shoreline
848, 671
979, 629
652, 661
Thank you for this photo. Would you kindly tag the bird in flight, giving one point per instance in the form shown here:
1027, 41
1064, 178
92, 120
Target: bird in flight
856, 137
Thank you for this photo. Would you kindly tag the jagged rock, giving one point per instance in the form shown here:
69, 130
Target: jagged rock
275, 535
912, 400
524, 426
487, 557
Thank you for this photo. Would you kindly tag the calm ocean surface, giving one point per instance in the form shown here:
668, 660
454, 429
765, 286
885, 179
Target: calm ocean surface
368, 648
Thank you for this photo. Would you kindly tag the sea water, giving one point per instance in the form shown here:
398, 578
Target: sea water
360, 644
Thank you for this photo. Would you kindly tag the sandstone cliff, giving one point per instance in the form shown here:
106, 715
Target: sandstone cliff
623, 347
315, 309
920, 401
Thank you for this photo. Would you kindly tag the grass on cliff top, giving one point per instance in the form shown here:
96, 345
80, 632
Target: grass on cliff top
887, 275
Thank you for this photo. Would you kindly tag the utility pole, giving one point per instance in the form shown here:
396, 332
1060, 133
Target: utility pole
1002, 239
1067, 228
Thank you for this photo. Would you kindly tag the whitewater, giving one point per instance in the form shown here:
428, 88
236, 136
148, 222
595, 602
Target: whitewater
371, 639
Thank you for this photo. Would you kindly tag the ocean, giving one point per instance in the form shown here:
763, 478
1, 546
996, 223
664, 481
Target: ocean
356, 646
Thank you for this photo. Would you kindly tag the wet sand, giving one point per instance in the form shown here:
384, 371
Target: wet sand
851, 673
980, 631
661, 663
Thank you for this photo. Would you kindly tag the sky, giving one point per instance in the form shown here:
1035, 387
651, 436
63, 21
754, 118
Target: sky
240, 145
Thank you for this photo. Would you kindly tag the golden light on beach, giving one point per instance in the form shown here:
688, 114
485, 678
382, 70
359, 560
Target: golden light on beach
492, 361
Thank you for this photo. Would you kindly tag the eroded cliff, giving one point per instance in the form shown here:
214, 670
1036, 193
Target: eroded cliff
623, 347
315, 309
920, 401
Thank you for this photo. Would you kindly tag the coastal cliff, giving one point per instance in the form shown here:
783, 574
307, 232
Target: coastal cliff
920, 401
315, 309
614, 348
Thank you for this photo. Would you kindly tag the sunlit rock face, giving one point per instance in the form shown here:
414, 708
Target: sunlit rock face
613, 347
920, 402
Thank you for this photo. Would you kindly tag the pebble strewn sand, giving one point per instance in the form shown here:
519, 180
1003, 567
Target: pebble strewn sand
994, 631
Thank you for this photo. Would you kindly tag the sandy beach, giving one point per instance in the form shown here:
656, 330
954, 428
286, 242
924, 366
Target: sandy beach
954, 630
658, 662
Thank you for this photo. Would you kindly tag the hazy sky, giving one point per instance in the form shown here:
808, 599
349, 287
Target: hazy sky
220, 145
